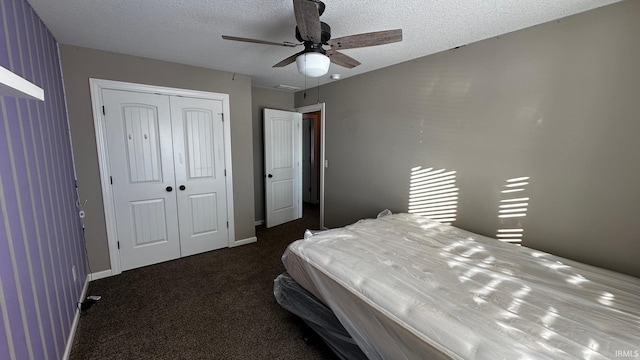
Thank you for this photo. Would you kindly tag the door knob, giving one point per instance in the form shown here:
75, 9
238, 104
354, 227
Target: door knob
169, 189
270, 176
182, 187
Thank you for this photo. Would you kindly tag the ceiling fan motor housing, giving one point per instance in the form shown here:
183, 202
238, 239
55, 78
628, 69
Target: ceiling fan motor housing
325, 33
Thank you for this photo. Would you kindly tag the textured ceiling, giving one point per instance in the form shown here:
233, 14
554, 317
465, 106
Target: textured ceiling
189, 31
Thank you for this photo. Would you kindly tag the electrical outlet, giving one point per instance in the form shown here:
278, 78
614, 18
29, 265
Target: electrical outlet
73, 271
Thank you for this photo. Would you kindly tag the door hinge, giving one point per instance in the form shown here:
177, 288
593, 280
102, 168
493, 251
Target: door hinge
104, 112
111, 179
118, 245
225, 172
222, 114
227, 224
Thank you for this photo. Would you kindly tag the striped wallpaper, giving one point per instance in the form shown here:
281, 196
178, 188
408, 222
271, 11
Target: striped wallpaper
40, 232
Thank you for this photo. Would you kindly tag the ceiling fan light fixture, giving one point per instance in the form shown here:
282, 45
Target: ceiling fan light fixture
313, 64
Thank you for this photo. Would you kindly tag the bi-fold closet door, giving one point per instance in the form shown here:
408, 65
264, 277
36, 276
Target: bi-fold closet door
167, 164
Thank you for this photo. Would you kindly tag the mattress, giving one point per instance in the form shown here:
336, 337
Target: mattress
293, 297
406, 287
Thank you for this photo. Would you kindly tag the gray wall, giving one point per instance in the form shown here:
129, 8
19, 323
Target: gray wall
80, 64
557, 102
261, 99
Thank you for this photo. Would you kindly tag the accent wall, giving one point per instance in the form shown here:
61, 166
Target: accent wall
42, 265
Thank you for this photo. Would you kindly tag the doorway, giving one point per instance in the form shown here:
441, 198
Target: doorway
311, 165
311, 158
313, 143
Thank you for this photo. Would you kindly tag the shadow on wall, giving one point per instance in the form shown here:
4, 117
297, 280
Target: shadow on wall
513, 209
434, 193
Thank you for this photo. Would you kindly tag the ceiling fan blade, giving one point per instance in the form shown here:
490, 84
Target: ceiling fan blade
366, 39
288, 60
341, 59
308, 20
256, 41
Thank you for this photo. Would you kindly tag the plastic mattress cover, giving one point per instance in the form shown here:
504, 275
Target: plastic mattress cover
293, 297
406, 287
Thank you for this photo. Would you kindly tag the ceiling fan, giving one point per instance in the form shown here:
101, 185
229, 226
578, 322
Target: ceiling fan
314, 60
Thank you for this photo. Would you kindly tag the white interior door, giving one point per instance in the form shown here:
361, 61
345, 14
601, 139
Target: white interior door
283, 170
141, 160
199, 157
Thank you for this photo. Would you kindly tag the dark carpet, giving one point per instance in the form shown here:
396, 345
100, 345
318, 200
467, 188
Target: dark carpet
216, 305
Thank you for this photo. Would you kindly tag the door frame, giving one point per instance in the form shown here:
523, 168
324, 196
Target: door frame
323, 164
96, 87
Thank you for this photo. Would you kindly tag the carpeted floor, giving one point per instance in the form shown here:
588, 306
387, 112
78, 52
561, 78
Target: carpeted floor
216, 305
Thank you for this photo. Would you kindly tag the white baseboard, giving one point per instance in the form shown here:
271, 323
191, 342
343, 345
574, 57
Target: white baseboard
100, 275
244, 241
259, 222
76, 320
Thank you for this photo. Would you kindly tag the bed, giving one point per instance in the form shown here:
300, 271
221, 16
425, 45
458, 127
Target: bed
405, 287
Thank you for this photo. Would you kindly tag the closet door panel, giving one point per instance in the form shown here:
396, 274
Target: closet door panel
140, 148
200, 174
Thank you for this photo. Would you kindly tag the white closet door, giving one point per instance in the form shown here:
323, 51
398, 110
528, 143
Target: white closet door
199, 157
141, 161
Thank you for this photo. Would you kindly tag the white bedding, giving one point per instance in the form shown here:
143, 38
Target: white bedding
406, 287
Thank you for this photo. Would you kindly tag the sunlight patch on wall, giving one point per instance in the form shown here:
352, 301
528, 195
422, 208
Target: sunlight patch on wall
433, 193
513, 208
